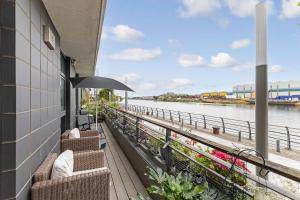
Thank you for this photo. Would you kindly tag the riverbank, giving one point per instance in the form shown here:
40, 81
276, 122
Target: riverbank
226, 101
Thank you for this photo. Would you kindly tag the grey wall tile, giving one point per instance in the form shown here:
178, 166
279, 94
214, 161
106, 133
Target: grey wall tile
22, 99
8, 151
35, 57
23, 149
24, 4
8, 127
36, 37
36, 13
44, 98
35, 78
23, 174
35, 119
8, 104
7, 45
22, 48
22, 124
25, 193
22, 22
35, 98
7, 70
8, 182
44, 62
22, 73
7, 13
44, 116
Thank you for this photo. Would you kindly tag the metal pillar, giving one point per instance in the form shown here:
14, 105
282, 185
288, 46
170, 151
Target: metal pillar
126, 97
261, 109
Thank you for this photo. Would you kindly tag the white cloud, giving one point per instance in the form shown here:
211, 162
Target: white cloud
289, 9
124, 33
129, 78
189, 60
137, 54
103, 35
192, 8
178, 83
245, 8
237, 44
276, 68
148, 86
222, 60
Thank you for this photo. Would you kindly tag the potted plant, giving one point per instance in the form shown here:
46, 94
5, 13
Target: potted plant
169, 187
181, 162
154, 145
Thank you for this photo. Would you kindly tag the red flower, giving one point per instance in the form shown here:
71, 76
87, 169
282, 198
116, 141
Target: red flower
199, 155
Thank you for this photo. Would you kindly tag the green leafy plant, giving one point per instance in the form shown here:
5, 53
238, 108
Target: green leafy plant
171, 187
154, 145
139, 197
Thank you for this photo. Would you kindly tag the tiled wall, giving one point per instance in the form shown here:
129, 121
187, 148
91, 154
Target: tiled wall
29, 91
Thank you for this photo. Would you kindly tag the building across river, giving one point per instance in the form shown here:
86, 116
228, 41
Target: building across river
282, 90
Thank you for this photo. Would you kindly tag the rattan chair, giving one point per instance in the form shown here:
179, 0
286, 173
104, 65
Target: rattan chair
89, 140
88, 186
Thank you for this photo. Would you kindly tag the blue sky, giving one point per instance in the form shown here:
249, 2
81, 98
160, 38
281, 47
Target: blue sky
192, 46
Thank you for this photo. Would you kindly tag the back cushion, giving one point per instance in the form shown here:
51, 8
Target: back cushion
63, 166
44, 171
74, 133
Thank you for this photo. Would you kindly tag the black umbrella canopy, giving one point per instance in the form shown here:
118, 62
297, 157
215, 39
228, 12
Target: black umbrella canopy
98, 82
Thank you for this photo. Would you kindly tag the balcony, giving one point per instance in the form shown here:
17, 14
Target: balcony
229, 173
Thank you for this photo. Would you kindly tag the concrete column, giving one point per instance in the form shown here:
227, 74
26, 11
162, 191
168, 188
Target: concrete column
261, 110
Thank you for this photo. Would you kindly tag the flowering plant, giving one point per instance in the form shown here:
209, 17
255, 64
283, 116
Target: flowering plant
222, 169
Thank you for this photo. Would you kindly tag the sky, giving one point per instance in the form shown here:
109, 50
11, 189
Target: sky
194, 46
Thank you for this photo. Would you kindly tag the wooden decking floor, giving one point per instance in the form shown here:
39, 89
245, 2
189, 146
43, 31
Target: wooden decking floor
125, 182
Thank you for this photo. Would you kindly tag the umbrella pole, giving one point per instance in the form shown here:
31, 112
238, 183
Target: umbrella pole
96, 102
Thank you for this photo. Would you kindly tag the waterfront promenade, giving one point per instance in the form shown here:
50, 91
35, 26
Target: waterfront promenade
289, 158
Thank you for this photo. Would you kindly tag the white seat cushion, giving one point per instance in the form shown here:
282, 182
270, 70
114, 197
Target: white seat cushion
74, 133
90, 170
63, 165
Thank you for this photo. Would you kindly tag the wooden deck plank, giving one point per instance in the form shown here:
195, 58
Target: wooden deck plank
139, 187
117, 180
126, 180
113, 193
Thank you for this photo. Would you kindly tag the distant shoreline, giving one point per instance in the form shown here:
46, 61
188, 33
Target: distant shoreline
226, 102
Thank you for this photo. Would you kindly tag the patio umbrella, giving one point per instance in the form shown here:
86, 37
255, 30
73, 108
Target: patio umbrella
98, 82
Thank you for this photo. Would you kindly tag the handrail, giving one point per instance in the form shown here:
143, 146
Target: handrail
282, 170
289, 135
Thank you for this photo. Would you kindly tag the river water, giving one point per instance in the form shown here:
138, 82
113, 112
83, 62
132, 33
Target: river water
278, 115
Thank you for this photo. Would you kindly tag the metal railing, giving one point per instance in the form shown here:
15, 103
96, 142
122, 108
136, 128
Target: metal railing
288, 137
165, 145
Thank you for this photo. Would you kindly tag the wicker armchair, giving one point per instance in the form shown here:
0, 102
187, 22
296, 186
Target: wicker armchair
89, 186
89, 140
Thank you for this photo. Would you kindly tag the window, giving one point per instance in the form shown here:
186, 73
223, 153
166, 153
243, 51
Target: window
63, 64
62, 93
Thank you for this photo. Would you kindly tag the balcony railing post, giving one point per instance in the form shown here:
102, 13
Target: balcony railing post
196, 125
249, 130
151, 112
289, 146
204, 121
137, 130
223, 124
168, 150
170, 115
156, 113
124, 123
163, 112
191, 123
179, 118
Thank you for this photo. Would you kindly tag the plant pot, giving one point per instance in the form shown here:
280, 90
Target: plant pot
181, 165
163, 153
